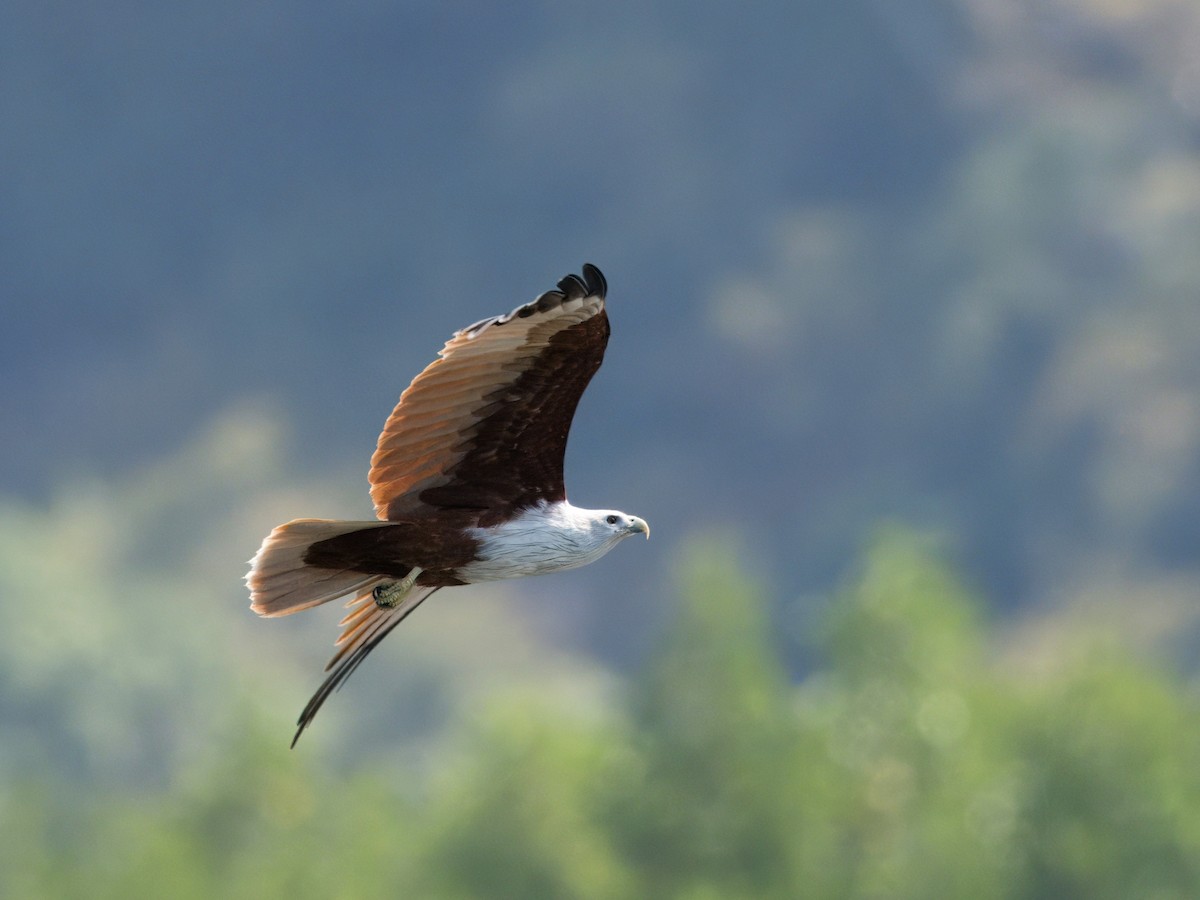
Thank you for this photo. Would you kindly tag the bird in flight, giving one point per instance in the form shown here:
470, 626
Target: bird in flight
467, 480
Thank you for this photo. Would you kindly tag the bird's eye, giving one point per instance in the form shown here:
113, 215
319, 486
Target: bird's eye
611, 520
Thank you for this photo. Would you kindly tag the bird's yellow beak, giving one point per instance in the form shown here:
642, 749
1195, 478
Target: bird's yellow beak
639, 526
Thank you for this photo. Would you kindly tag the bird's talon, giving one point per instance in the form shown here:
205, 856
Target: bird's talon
385, 595
389, 594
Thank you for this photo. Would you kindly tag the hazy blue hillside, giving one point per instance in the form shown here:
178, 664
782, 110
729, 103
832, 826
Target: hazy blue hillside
935, 265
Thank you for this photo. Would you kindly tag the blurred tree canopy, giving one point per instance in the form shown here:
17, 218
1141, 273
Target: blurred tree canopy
916, 761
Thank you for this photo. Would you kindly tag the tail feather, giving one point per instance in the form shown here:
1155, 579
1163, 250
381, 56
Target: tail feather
365, 626
281, 582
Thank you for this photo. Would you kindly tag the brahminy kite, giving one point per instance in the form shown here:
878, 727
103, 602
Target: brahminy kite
467, 478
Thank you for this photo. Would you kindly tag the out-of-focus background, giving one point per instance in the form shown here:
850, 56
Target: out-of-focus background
905, 374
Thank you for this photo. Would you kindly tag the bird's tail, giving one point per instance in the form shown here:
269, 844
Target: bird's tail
281, 582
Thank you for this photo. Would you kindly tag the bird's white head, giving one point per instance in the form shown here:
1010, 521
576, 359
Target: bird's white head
613, 524
549, 538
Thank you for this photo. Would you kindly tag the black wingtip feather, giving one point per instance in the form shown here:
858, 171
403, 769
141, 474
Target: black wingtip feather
596, 282
573, 287
549, 300
591, 283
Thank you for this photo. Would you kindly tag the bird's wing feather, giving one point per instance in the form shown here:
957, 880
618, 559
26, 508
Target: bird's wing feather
485, 425
362, 629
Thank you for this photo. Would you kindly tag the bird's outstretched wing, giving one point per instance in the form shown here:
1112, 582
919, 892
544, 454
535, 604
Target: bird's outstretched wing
485, 426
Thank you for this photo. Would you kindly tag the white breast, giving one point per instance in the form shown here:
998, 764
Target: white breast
546, 538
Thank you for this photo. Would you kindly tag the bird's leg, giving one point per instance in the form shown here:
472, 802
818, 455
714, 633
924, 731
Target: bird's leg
389, 595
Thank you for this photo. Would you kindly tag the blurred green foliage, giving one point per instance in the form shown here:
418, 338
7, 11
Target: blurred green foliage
914, 762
